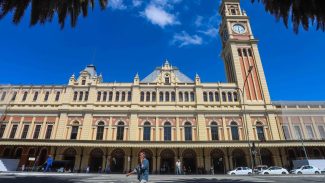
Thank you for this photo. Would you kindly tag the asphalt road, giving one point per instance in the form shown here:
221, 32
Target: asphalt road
100, 178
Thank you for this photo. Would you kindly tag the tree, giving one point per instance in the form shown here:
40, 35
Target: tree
302, 12
43, 11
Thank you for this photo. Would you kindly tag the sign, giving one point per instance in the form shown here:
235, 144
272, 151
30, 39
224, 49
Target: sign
31, 159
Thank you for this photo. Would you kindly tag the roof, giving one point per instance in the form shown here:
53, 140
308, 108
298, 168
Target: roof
91, 69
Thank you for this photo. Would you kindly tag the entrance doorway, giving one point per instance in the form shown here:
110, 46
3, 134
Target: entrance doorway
117, 161
238, 158
69, 156
167, 162
217, 161
96, 160
189, 161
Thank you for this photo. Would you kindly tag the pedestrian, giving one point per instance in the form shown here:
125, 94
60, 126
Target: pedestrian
49, 163
144, 168
212, 170
178, 167
23, 167
87, 169
136, 170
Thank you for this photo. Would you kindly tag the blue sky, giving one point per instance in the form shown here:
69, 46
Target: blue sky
133, 36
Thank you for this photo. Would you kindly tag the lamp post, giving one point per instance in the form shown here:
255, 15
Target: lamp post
242, 101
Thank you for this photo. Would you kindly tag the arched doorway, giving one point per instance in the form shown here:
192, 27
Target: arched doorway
69, 156
42, 157
291, 156
6, 153
96, 160
149, 156
266, 157
167, 162
217, 161
117, 161
31, 154
189, 161
238, 158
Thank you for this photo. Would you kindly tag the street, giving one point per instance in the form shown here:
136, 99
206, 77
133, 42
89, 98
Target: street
99, 178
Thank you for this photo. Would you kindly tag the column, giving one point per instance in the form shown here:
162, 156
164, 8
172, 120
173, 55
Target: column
61, 129
201, 125
86, 127
133, 127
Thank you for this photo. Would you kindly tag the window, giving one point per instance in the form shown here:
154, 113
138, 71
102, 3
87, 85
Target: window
321, 131
37, 131
210, 96
239, 52
167, 97
234, 131
142, 97
286, 132
123, 97
167, 131
235, 97
99, 96
117, 96
35, 96
83, 82
229, 97
146, 131
86, 95
245, 52
104, 96
224, 98
2, 130
81, 96
129, 96
74, 132
25, 131
13, 98
48, 131
260, 131
161, 96
298, 132
250, 52
216, 96
180, 96
120, 131
233, 11
110, 97
154, 97
205, 96
57, 96
214, 131
188, 131
186, 96
3, 96
13, 131
25, 96
173, 98
46, 97
192, 97
310, 132
100, 131
148, 96
167, 80
75, 96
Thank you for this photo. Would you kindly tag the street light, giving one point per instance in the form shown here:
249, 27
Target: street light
242, 101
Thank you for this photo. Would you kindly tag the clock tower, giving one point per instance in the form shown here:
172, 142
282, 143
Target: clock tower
240, 53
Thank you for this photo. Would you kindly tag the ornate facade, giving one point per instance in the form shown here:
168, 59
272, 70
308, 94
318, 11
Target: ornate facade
168, 115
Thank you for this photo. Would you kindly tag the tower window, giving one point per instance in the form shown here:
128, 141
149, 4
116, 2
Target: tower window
83, 82
167, 81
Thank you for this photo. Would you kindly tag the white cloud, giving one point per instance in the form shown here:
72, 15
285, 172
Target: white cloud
117, 5
157, 15
137, 3
198, 21
184, 39
211, 32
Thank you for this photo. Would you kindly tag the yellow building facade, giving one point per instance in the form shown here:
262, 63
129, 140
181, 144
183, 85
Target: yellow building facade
168, 115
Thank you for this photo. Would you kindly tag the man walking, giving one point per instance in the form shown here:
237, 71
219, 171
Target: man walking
178, 167
49, 163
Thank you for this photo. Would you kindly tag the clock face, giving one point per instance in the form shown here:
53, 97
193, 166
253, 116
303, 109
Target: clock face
238, 28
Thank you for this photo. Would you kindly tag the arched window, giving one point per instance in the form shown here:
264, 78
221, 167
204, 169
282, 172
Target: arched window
167, 131
142, 97
167, 96
239, 52
117, 96
86, 95
74, 131
46, 97
100, 131
146, 131
25, 96
250, 52
123, 97
229, 97
57, 96
148, 96
245, 52
205, 96
99, 96
75, 96
214, 131
35, 96
188, 131
154, 97
14, 95
129, 96
235, 96
216, 96
81, 95
173, 97
211, 96
161, 96
3, 96
180, 96
110, 97
234, 130
224, 97
186, 96
192, 97
120, 131
104, 96
260, 131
